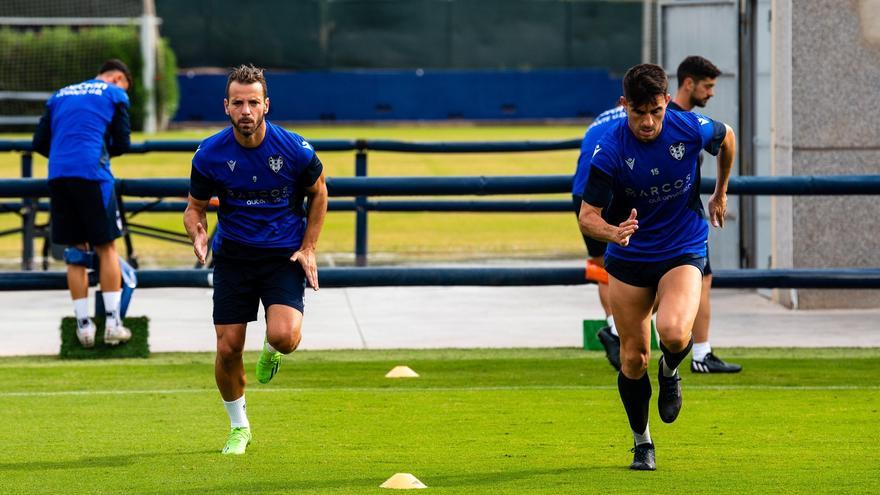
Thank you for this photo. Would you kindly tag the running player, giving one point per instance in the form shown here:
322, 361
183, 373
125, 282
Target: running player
643, 178
264, 249
696, 85
82, 127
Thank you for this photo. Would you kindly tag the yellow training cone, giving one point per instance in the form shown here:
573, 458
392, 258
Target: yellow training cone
403, 481
401, 372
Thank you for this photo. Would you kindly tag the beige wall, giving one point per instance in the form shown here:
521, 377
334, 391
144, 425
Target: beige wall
826, 80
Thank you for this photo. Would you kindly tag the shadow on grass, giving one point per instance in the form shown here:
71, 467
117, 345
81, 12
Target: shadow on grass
92, 461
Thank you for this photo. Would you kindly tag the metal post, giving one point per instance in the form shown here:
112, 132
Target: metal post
360, 203
28, 217
149, 39
748, 224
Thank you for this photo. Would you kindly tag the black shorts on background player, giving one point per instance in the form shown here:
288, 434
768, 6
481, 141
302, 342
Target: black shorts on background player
594, 248
81, 213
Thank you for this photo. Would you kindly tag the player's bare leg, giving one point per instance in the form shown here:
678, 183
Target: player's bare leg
283, 335
229, 374
607, 335
633, 305
111, 289
678, 299
703, 360
78, 285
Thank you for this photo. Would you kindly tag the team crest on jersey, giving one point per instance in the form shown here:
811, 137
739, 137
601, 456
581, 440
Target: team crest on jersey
231, 164
276, 162
630, 162
677, 151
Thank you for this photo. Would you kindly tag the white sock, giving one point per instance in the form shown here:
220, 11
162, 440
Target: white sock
667, 371
699, 351
81, 309
643, 437
111, 305
268, 347
237, 412
610, 321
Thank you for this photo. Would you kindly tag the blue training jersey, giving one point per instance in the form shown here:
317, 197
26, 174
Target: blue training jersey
81, 117
591, 138
660, 180
261, 190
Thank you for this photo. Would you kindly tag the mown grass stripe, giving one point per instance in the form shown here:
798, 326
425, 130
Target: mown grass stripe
372, 390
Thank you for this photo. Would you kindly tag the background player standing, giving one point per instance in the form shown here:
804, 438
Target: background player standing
696, 85
643, 172
264, 248
82, 127
596, 249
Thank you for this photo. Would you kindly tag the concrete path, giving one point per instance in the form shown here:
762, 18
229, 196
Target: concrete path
432, 317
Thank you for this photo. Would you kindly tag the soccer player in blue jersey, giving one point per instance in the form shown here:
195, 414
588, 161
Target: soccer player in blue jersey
82, 126
643, 178
264, 248
696, 85
596, 249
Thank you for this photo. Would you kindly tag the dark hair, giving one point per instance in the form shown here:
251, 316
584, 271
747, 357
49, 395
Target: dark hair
246, 74
696, 68
643, 83
116, 64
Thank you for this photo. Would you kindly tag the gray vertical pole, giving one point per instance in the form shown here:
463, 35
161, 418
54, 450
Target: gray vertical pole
746, 138
28, 216
360, 203
149, 39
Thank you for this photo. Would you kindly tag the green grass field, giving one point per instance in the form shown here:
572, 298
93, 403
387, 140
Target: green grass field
477, 422
396, 236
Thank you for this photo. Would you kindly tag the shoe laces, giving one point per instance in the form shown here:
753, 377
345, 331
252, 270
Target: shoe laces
669, 386
238, 433
711, 357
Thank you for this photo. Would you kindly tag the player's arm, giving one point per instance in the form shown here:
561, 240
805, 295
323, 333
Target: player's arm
43, 135
195, 217
718, 200
317, 194
119, 131
597, 195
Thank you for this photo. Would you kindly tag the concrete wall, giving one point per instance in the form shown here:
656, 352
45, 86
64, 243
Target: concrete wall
826, 68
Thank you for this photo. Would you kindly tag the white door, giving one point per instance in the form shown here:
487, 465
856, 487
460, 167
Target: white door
709, 28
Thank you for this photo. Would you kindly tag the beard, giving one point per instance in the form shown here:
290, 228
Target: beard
252, 126
699, 102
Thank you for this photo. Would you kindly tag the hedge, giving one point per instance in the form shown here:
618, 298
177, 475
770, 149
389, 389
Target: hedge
53, 57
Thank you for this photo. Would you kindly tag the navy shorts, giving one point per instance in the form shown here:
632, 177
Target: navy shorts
594, 248
708, 270
83, 211
240, 285
648, 274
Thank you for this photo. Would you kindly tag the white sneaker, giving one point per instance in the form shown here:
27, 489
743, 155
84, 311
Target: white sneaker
116, 334
86, 333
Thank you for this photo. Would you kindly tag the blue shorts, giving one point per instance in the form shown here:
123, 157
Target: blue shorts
648, 274
240, 285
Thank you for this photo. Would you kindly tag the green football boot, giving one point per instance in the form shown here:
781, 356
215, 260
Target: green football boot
239, 439
268, 365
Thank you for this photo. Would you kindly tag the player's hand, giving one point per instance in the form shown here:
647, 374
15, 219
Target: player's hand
717, 209
626, 229
200, 243
306, 258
